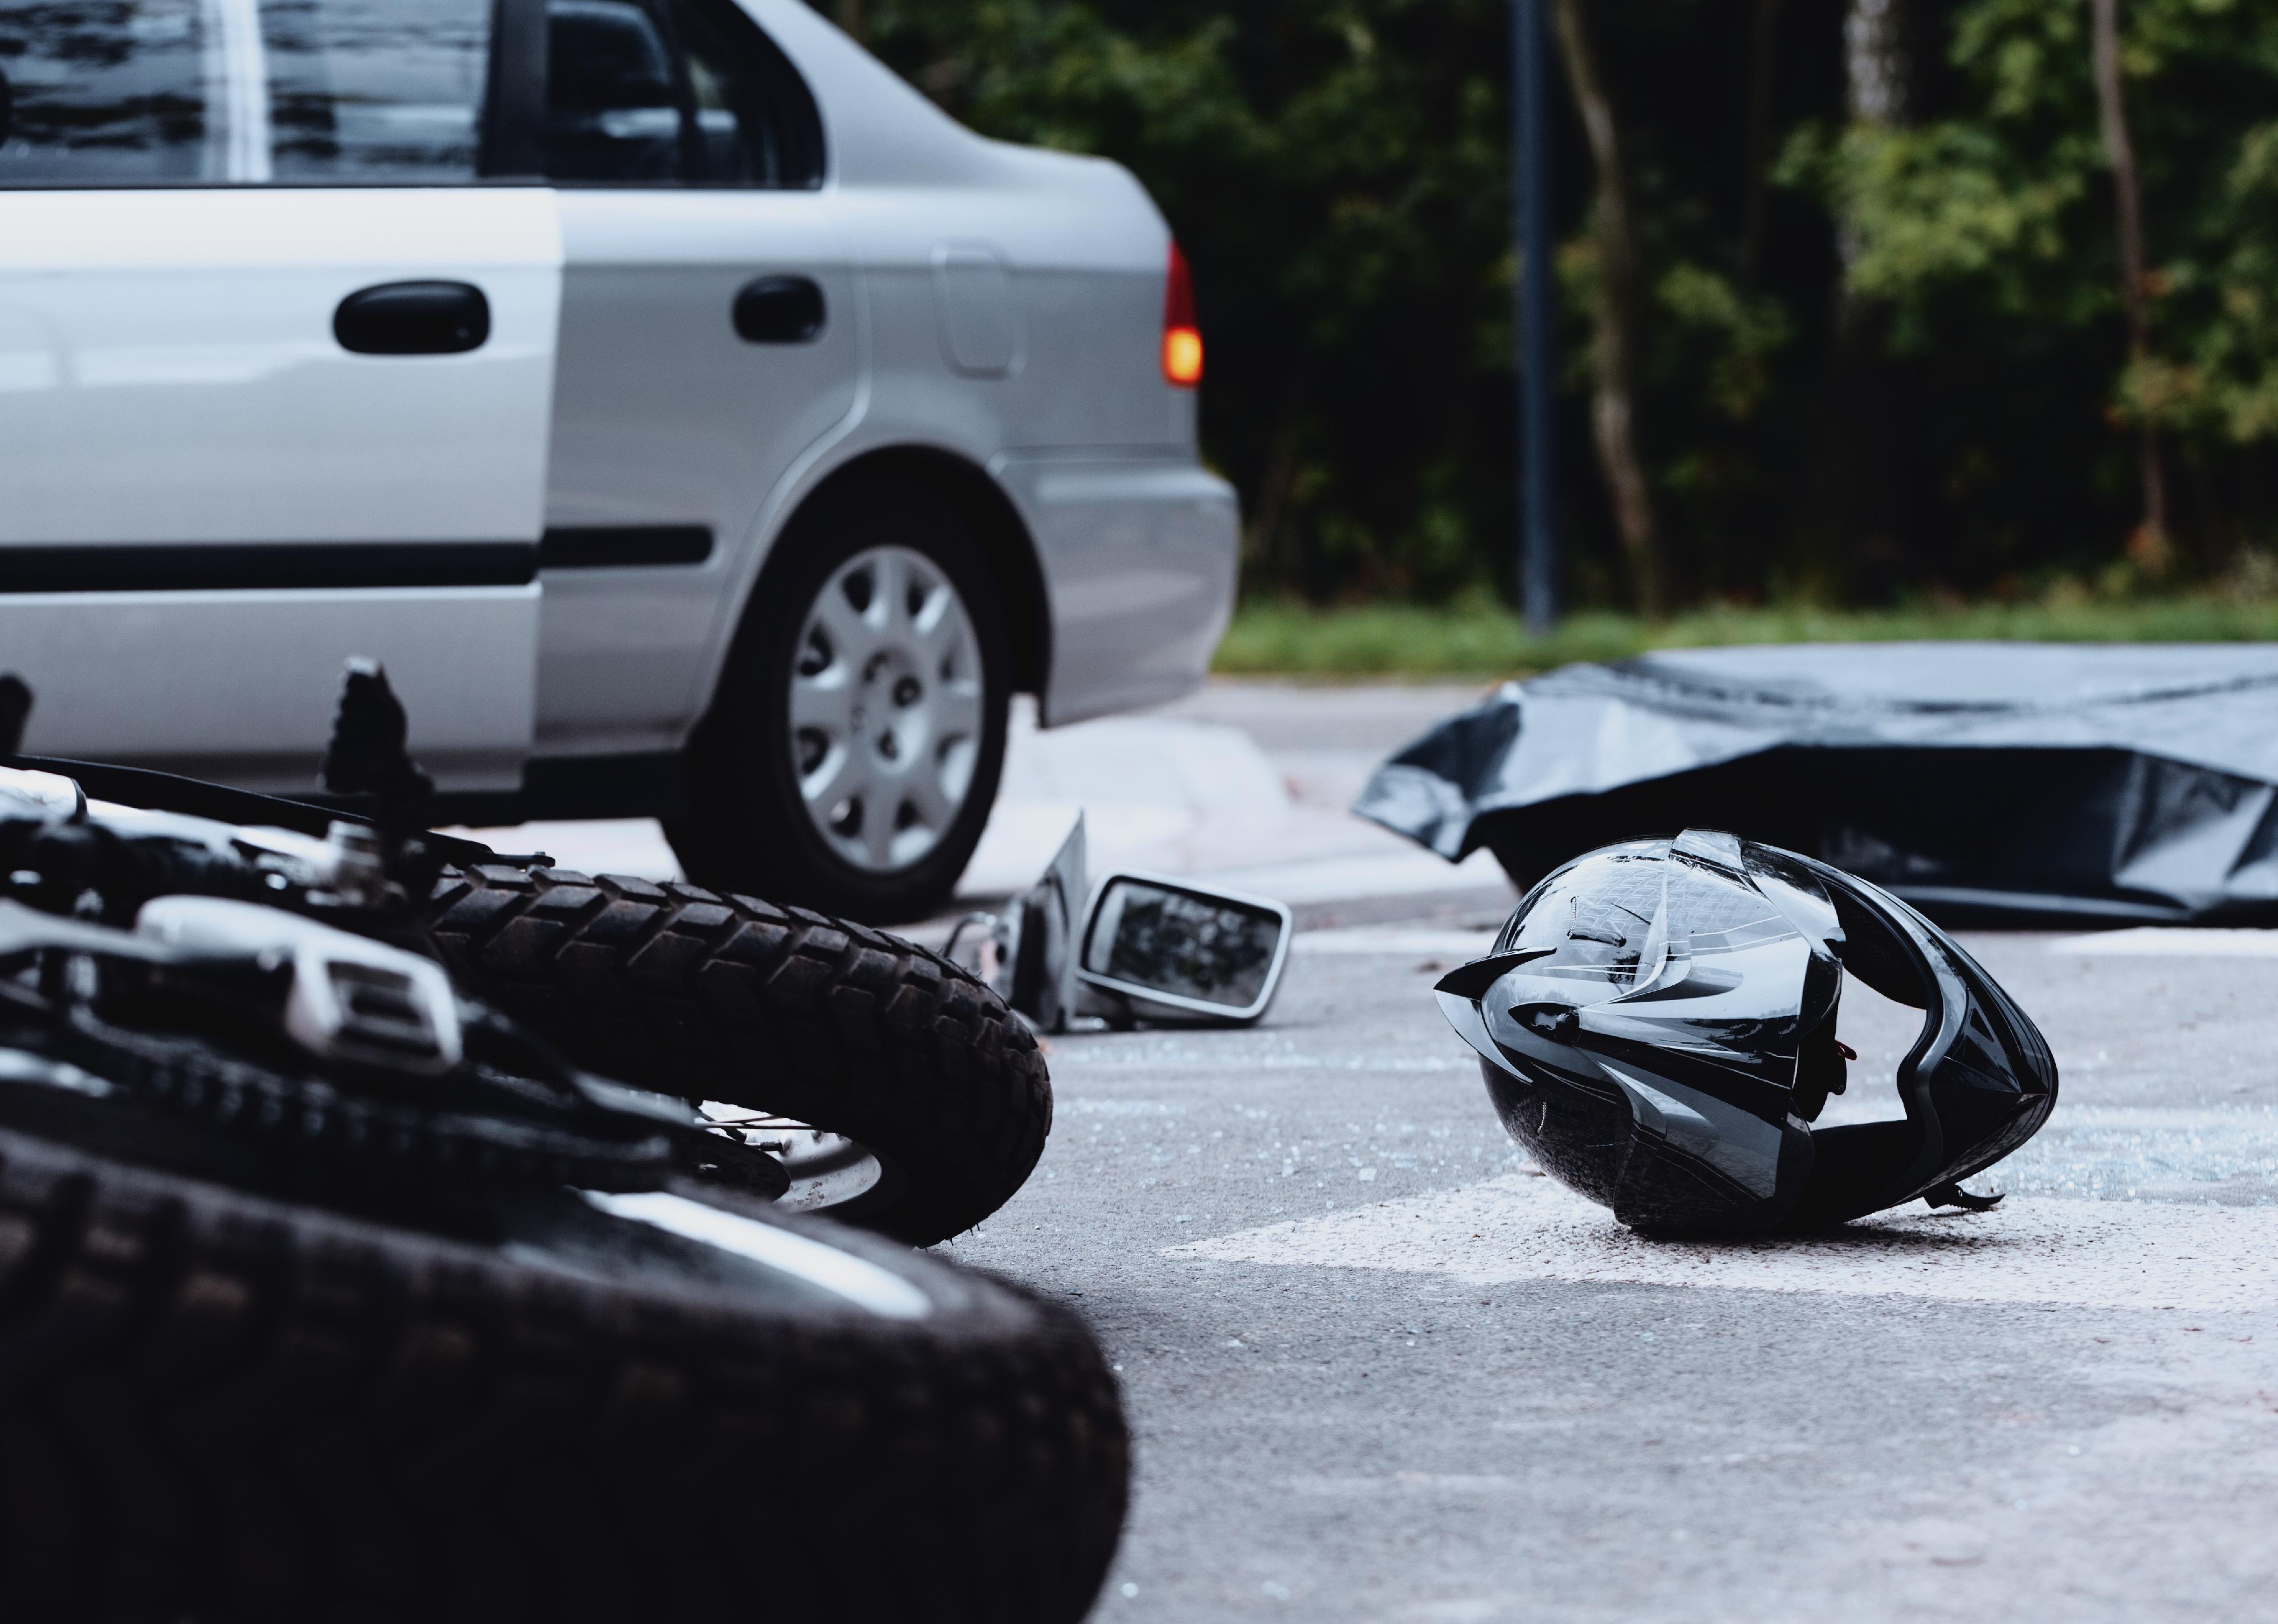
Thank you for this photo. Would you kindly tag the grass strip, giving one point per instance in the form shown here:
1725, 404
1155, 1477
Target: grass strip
1279, 639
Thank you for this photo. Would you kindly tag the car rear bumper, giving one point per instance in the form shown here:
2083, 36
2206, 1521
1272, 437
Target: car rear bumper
1139, 554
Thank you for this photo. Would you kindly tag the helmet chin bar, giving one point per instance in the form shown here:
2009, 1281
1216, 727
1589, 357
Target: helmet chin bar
1658, 1028
1978, 1082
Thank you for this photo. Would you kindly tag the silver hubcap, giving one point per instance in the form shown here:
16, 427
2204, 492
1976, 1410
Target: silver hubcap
885, 708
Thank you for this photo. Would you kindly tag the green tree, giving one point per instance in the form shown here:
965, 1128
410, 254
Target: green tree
1994, 231
1873, 346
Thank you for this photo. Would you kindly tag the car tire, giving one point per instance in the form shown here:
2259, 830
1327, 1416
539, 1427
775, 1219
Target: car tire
716, 996
754, 770
222, 1405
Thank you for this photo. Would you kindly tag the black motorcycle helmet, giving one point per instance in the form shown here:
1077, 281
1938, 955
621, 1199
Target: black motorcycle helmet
1656, 1025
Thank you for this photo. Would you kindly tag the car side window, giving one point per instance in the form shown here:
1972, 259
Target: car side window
245, 92
129, 91
375, 90
673, 93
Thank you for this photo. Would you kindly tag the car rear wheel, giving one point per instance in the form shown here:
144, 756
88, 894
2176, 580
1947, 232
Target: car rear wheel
853, 751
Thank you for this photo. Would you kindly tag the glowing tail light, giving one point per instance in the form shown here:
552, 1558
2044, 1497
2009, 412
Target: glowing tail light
1183, 340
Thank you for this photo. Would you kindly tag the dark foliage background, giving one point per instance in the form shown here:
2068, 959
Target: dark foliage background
1336, 172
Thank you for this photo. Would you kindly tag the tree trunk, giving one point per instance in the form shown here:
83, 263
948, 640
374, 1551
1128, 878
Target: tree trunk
1851, 524
1614, 352
2150, 541
1278, 564
1875, 61
1763, 84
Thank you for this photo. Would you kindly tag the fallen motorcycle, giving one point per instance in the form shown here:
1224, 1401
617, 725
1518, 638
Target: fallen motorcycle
327, 1293
897, 1087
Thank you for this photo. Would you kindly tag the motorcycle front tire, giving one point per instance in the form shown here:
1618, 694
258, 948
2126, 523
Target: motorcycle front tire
221, 1405
712, 995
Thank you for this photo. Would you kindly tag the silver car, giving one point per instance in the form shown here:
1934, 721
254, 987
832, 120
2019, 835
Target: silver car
694, 420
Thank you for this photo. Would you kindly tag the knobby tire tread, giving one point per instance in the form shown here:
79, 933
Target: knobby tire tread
713, 995
219, 1406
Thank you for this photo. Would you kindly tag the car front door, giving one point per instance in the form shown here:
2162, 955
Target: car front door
275, 377
708, 340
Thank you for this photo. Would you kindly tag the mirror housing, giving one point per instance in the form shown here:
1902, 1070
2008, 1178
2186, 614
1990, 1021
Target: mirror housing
1026, 954
1039, 957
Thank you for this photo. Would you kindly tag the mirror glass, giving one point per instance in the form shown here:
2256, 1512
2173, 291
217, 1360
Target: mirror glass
1212, 949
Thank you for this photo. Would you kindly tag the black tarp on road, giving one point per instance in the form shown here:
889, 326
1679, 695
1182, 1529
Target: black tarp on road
2003, 782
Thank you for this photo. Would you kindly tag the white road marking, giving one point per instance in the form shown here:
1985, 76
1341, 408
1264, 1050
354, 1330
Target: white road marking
2122, 1254
2171, 942
1457, 946
1184, 1062
842, 1274
1444, 1482
2256, 1120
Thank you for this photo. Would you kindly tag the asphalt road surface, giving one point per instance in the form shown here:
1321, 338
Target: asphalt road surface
1379, 1371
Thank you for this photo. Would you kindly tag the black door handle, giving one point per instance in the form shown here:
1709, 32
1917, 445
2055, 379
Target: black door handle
413, 318
779, 310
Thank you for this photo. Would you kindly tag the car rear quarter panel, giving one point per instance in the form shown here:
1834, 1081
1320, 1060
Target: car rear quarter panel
1139, 564
1135, 540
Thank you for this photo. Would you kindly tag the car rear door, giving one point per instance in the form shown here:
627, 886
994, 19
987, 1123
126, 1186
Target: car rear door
275, 380
709, 339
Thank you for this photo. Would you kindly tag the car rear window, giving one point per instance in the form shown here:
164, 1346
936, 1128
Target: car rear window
673, 93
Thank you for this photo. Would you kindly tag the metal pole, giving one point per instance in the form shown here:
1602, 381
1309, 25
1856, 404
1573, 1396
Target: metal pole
1538, 508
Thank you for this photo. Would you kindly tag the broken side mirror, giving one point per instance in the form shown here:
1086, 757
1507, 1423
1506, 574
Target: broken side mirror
1156, 947
1028, 952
